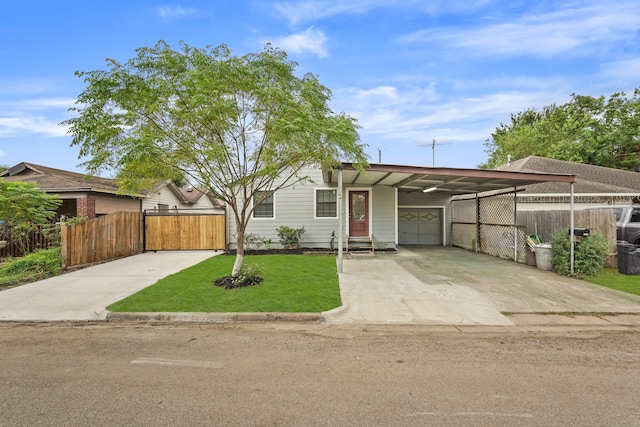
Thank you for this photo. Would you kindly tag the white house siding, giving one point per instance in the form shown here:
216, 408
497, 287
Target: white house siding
419, 199
162, 196
383, 216
295, 207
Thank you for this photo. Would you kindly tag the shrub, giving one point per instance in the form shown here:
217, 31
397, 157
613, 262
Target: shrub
289, 236
589, 256
253, 241
35, 266
53, 231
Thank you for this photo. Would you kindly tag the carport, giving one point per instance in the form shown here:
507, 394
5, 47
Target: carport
476, 183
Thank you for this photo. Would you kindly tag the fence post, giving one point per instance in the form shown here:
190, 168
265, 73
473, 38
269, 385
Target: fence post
64, 243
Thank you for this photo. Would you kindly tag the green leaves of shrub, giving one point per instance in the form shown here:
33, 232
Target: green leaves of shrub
589, 257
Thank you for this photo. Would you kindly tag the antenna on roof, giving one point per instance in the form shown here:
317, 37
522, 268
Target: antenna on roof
433, 144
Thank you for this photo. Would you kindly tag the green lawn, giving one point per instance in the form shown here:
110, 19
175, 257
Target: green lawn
611, 278
292, 283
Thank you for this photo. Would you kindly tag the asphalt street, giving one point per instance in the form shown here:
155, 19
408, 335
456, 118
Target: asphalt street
317, 375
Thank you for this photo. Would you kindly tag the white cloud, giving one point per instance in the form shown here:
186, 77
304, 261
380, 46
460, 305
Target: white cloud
625, 70
39, 104
10, 126
311, 10
176, 12
2, 153
310, 40
412, 114
543, 34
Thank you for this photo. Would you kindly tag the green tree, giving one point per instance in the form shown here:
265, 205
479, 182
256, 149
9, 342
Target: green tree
587, 130
23, 209
236, 125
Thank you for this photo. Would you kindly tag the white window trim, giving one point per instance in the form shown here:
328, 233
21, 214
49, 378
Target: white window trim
315, 202
263, 218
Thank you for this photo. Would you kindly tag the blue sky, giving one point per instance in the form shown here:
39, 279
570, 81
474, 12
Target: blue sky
409, 71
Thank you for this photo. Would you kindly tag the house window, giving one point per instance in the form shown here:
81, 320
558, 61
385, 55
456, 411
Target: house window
326, 204
264, 208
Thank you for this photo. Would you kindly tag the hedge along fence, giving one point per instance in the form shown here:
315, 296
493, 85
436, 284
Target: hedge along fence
546, 223
109, 237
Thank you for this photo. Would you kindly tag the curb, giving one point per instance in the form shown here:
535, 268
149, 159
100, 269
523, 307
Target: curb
216, 317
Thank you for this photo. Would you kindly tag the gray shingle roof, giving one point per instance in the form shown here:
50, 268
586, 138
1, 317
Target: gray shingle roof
590, 179
57, 180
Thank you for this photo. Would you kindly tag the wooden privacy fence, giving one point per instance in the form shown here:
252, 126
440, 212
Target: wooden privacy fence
112, 236
35, 241
546, 223
184, 232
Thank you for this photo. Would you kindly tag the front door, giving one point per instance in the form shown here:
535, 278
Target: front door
358, 213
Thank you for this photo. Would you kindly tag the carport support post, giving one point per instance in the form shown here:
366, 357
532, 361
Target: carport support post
515, 224
340, 221
477, 224
571, 226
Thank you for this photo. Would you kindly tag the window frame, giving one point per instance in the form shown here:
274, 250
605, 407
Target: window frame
273, 206
315, 203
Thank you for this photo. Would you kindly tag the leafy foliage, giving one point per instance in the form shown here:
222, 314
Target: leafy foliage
53, 231
253, 241
289, 236
586, 130
23, 209
589, 256
235, 125
35, 266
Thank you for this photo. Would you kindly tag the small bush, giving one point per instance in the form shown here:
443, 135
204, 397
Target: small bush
35, 266
589, 257
289, 236
253, 241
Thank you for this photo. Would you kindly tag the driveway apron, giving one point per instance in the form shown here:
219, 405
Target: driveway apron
84, 294
443, 285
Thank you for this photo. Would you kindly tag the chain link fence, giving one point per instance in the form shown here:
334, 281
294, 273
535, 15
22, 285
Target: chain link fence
487, 225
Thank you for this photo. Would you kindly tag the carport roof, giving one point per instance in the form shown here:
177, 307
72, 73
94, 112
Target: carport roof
453, 181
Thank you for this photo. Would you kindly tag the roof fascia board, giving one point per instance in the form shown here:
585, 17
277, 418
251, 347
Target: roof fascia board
471, 173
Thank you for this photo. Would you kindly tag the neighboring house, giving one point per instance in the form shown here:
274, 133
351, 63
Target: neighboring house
389, 204
167, 197
95, 196
81, 194
595, 185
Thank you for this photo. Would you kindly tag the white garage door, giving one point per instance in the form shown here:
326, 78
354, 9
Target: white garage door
420, 226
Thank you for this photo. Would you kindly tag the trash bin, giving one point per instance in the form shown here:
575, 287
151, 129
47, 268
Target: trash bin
543, 256
628, 258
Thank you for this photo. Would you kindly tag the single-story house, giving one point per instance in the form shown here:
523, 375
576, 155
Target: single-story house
94, 196
166, 197
385, 205
594, 186
81, 195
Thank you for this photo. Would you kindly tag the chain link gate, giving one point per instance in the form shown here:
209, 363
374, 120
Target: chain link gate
486, 225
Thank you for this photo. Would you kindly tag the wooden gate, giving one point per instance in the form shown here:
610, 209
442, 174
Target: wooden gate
178, 231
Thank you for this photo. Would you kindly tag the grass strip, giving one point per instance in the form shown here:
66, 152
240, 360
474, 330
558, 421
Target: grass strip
292, 283
611, 278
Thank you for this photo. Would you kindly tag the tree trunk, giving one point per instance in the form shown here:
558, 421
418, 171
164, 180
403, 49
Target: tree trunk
239, 252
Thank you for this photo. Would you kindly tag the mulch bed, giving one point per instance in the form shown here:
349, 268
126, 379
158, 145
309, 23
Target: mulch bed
230, 282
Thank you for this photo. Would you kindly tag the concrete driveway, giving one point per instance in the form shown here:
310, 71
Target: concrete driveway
442, 285
424, 286
84, 294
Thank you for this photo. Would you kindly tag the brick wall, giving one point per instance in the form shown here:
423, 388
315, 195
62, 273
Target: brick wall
86, 206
